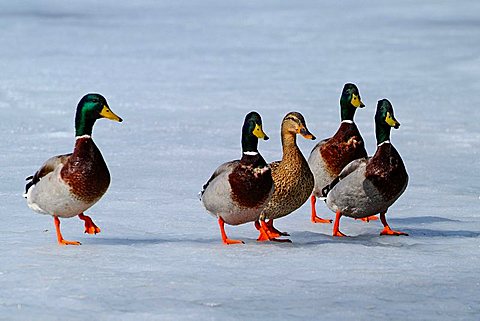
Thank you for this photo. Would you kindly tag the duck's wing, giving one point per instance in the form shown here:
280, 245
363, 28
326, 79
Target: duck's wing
352, 166
47, 167
228, 166
347, 170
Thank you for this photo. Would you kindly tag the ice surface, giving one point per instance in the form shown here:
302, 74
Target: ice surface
183, 74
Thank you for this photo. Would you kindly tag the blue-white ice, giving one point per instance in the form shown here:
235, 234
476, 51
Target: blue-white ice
183, 74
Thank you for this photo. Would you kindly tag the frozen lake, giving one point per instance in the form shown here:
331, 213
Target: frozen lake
183, 74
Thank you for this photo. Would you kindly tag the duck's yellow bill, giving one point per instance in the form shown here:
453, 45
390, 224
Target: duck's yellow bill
258, 131
356, 102
391, 121
107, 113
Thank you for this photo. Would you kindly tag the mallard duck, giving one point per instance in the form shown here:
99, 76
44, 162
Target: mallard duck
67, 185
238, 190
331, 155
369, 186
292, 178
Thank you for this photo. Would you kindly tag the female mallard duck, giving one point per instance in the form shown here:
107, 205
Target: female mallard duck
292, 178
331, 155
239, 190
67, 185
370, 186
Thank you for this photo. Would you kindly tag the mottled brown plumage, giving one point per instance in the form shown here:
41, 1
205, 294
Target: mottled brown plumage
293, 180
345, 146
86, 172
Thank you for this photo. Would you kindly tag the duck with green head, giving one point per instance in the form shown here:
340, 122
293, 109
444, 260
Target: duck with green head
331, 155
67, 185
238, 190
368, 186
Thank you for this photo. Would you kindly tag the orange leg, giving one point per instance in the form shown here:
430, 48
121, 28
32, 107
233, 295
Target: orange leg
336, 232
263, 234
60, 239
273, 230
225, 239
386, 229
90, 227
315, 218
368, 218
271, 234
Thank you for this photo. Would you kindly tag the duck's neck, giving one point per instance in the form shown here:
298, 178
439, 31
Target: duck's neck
347, 112
249, 144
383, 134
289, 144
83, 123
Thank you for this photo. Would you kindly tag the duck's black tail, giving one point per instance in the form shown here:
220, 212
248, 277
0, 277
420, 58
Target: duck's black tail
329, 187
29, 184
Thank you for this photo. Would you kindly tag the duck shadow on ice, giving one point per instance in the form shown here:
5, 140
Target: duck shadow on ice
146, 241
421, 231
421, 220
411, 225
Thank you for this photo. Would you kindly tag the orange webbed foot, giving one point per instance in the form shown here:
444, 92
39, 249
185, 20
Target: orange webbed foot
65, 242
228, 241
368, 218
388, 231
317, 219
273, 231
90, 227
386, 228
336, 225
263, 234
225, 239
60, 239
339, 234
269, 233
314, 218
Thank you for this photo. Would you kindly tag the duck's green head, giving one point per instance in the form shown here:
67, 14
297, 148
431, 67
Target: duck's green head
384, 120
90, 108
294, 123
252, 131
350, 101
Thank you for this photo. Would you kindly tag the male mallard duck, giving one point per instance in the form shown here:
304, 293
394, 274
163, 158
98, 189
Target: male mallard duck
67, 185
370, 186
292, 178
331, 155
238, 190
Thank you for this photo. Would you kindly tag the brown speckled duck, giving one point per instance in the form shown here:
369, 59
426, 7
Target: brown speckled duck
292, 178
369, 186
238, 190
331, 155
67, 185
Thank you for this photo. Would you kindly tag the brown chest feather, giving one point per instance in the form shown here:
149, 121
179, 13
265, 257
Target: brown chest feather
86, 172
345, 146
251, 182
387, 172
